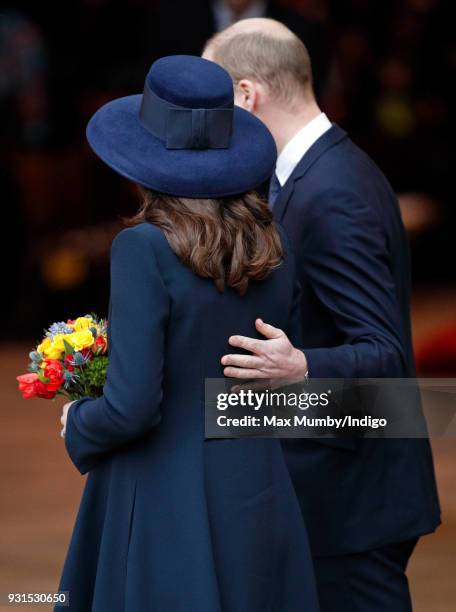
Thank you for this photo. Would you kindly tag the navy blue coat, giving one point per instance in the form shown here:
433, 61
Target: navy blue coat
169, 521
353, 264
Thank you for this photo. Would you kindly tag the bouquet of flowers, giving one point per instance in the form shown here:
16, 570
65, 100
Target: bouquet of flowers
71, 360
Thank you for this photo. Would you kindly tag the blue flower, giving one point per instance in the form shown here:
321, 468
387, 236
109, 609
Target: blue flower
69, 378
58, 328
79, 359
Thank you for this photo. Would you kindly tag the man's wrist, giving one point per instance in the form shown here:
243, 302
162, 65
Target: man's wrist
300, 366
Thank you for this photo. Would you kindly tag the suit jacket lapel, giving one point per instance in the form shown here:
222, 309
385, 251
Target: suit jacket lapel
330, 138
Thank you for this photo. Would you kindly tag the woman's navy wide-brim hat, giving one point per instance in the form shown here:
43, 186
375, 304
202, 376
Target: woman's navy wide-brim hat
183, 136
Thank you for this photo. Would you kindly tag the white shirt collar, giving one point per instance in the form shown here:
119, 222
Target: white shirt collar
301, 142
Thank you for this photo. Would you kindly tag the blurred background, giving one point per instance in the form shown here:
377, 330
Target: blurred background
383, 70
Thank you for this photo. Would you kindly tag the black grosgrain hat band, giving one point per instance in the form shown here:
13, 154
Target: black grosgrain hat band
186, 128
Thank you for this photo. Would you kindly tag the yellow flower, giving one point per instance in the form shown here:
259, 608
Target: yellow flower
56, 348
45, 344
51, 349
82, 323
80, 339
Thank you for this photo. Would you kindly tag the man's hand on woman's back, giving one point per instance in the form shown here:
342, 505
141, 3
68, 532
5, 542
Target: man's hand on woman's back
274, 357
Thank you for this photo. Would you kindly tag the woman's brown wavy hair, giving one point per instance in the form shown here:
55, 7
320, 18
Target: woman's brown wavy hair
232, 240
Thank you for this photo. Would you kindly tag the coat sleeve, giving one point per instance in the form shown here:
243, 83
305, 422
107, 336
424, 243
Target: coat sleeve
130, 404
345, 259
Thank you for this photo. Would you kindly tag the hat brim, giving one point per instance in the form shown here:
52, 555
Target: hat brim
118, 138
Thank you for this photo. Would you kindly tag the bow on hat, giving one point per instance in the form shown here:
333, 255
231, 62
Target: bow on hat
186, 128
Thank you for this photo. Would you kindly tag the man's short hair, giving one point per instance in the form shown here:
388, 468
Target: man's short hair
280, 62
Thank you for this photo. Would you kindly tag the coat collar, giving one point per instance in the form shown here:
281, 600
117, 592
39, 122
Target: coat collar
330, 138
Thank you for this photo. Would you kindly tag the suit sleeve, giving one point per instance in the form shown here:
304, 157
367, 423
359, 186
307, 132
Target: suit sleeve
130, 404
345, 259
294, 328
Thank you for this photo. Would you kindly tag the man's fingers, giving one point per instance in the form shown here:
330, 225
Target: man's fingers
267, 330
243, 361
244, 342
231, 372
257, 346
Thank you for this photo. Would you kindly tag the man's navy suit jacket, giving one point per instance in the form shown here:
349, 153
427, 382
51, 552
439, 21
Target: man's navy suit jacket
353, 264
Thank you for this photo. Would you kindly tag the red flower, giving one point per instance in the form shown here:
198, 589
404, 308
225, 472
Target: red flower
87, 353
27, 384
43, 390
100, 345
31, 386
71, 321
69, 366
54, 371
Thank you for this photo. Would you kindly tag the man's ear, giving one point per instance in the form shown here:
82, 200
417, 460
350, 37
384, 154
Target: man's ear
246, 95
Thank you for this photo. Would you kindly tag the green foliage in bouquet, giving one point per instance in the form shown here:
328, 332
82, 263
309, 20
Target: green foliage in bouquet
93, 375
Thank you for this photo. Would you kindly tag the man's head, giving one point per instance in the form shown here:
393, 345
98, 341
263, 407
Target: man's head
270, 67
